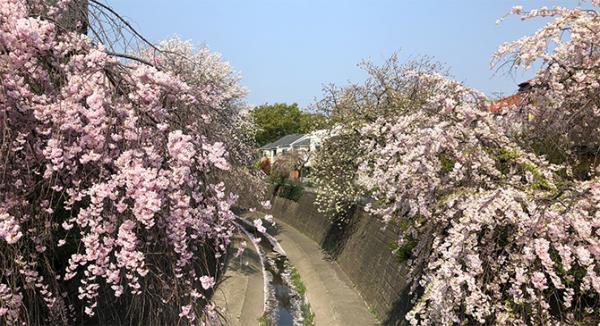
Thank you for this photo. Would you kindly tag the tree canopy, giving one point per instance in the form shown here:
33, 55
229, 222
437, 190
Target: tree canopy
497, 213
274, 121
116, 176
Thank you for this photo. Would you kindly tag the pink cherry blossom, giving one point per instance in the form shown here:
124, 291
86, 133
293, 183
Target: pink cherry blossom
121, 167
207, 282
259, 226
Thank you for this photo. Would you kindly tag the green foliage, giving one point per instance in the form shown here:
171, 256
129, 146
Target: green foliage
274, 121
312, 121
285, 187
308, 314
290, 189
505, 159
404, 252
540, 182
263, 321
374, 313
507, 155
297, 281
447, 163
276, 179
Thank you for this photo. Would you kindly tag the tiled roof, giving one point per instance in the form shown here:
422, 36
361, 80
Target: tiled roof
283, 141
505, 102
303, 142
511, 101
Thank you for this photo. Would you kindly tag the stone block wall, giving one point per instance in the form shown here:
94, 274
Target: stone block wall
361, 249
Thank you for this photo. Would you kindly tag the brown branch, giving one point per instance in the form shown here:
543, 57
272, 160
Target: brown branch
131, 57
124, 21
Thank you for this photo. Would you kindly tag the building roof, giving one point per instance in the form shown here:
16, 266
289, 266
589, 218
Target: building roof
510, 101
302, 142
283, 141
504, 103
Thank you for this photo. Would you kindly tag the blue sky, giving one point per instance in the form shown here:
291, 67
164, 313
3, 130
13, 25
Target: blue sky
287, 50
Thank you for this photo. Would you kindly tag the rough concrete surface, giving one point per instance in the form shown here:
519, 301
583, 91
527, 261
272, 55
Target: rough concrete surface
240, 295
329, 291
361, 248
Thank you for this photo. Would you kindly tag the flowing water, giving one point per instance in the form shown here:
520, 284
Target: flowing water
282, 291
283, 302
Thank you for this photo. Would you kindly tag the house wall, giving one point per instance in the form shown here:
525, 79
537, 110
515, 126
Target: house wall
361, 249
268, 153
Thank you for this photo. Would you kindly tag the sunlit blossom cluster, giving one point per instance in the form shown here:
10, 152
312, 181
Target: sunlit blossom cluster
227, 126
498, 212
335, 175
110, 180
390, 90
559, 115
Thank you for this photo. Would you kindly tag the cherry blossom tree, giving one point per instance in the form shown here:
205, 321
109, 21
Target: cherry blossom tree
498, 235
391, 89
467, 198
225, 113
561, 108
113, 200
500, 227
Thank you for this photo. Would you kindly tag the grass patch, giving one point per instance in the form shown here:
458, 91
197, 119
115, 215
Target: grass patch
263, 321
374, 313
308, 314
297, 281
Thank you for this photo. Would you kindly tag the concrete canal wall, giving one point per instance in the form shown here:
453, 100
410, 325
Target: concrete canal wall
362, 250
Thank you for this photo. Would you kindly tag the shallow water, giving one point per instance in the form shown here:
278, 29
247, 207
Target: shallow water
275, 264
283, 303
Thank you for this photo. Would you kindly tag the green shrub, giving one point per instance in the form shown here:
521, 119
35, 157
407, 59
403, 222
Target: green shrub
290, 189
404, 253
309, 183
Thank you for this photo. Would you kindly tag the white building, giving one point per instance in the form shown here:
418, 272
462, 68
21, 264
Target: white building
306, 143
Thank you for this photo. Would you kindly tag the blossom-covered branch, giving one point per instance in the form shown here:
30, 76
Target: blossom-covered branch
112, 181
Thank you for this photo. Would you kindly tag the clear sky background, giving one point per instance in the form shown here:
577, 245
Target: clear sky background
286, 50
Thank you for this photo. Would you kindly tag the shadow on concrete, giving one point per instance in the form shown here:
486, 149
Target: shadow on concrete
247, 263
273, 230
338, 234
400, 308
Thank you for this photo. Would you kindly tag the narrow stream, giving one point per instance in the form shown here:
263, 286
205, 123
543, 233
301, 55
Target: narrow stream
283, 313
283, 302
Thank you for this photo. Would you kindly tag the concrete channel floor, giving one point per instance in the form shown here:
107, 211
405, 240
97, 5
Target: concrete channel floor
241, 293
329, 291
